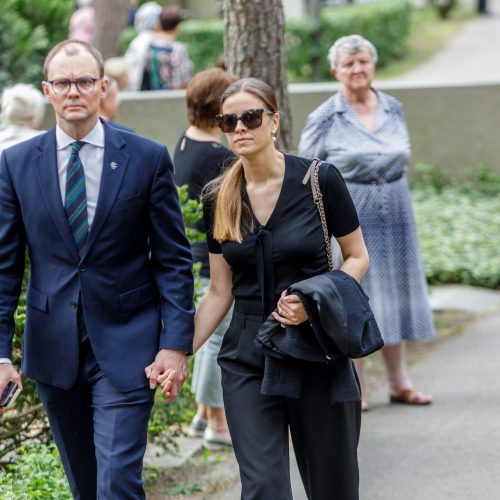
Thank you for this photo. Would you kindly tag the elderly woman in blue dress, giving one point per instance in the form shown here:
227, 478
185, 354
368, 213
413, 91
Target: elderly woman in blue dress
363, 132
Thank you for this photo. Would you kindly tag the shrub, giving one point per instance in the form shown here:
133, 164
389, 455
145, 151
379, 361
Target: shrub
36, 472
27, 30
459, 227
205, 39
386, 24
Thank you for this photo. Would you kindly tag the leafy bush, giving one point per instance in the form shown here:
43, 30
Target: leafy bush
36, 472
205, 39
385, 23
27, 30
459, 228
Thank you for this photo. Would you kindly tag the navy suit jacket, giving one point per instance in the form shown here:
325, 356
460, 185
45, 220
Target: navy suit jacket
134, 280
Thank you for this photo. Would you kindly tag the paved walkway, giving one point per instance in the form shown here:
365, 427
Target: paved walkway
472, 56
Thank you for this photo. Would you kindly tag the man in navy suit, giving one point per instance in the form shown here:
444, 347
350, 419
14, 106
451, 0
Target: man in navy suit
110, 298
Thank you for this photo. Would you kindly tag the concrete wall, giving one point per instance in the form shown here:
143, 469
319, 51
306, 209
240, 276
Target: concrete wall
452, 126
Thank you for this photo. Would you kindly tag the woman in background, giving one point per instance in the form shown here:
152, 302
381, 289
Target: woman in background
363, 132
23, 109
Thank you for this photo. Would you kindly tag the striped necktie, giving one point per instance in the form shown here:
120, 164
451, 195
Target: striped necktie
75, 202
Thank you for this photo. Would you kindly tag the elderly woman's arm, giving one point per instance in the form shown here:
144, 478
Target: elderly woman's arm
311, 144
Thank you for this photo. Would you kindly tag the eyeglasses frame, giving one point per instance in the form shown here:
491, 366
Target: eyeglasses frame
238, 118
75, 83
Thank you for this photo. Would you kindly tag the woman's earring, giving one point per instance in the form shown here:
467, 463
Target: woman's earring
274, 138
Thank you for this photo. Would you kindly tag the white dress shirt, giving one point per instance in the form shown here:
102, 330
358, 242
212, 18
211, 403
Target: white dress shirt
92, 157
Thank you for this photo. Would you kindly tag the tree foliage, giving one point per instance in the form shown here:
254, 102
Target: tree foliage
27, 30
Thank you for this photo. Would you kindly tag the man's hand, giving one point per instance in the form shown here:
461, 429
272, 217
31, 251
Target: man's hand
172, 364
8, 373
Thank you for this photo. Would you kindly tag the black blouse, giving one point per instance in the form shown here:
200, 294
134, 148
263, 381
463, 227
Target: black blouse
196, 164
290, 246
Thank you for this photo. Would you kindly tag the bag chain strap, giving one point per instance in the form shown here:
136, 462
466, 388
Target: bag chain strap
318, 199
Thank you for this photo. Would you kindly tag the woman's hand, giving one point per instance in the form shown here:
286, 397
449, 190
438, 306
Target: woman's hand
291, 311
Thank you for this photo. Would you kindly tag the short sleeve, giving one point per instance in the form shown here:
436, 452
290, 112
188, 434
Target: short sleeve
208, 218
340, 212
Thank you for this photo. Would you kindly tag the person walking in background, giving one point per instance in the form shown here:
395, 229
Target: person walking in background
362, 131
199, 158
167, 64
82, 22
110, 298
264, 234
116, 69
23, 109
110, 104
146, 21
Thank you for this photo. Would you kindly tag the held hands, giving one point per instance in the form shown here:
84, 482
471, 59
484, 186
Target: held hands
170, 370
291, 311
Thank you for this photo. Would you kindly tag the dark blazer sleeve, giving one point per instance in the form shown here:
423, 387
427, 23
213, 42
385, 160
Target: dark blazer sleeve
12, 251
171, 259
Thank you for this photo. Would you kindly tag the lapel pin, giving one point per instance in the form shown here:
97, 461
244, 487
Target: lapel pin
113, 165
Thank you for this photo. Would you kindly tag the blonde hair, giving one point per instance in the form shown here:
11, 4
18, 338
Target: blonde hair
22, 104
231, 219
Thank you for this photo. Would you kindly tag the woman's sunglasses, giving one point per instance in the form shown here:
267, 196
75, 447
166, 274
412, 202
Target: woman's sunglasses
251, 119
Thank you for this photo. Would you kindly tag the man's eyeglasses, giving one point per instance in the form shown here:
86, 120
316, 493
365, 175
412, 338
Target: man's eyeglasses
61, 86
251, 119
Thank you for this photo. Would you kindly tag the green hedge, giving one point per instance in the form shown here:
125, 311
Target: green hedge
386, 24
27, 30
205, 40
459, 227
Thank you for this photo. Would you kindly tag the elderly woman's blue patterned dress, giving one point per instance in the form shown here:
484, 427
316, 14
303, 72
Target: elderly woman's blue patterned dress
374, 164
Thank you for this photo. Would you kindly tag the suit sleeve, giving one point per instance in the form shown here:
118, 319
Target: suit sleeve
12, 253
171, 259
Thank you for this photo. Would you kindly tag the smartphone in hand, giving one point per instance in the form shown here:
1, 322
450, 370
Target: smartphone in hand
9, 394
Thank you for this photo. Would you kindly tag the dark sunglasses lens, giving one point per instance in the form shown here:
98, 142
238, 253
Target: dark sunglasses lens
230, 122
252, 118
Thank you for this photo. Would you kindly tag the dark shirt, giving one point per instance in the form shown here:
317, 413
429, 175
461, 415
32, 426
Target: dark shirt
290, 247
196, 165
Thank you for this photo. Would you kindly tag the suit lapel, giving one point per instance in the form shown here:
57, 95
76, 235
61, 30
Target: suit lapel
113, 172
48, 179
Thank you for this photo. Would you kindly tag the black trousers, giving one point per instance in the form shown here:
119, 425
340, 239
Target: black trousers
325, 436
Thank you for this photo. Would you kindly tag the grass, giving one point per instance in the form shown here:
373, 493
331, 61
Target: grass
428, 34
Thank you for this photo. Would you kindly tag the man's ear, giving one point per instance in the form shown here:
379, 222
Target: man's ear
46, 90
333, 72
104, 85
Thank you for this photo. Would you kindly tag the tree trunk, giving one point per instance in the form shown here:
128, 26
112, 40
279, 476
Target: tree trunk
254, 45
110, 20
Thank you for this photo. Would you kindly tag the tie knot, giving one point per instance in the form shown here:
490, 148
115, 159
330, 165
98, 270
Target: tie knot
76, 146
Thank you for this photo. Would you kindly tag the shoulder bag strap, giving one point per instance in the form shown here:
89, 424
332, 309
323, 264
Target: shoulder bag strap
312, 172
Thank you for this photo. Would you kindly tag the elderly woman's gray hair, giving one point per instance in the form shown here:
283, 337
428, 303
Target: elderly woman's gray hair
22, 104
147, 16
351, 44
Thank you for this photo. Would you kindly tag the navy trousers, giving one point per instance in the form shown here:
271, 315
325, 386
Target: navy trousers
100, 432
325, 436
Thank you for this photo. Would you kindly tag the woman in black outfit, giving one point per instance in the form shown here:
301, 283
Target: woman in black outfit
198, 159
264, 234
